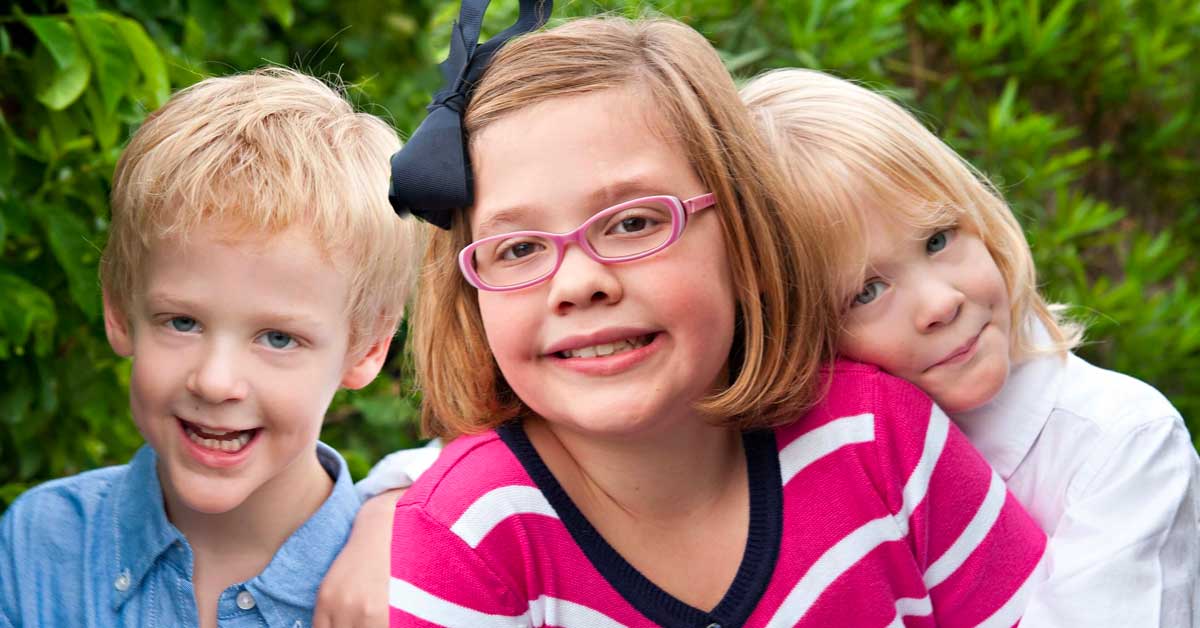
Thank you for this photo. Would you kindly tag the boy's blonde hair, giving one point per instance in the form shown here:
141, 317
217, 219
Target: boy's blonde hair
851, 152
786, 311
258, 153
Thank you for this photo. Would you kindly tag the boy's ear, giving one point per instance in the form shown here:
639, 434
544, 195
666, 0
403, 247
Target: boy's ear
364, 370
116, 327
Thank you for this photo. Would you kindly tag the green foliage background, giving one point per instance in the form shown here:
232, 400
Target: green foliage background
1086, 114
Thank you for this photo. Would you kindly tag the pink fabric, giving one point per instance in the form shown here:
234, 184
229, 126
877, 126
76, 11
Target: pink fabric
528, 570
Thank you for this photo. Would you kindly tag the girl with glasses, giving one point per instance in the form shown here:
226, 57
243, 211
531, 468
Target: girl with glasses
627, 336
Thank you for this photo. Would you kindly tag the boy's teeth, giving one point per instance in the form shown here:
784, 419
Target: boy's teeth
230, 445
605, 349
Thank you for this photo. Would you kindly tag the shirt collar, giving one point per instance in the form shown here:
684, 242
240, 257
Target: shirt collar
1005, 428
287, 588
141, 532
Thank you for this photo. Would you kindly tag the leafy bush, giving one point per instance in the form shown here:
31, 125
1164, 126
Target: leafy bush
1086, 114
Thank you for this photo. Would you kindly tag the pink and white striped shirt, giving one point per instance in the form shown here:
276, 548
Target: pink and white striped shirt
870, 510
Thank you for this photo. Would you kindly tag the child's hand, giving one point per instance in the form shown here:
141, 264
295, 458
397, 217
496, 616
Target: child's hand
354, 593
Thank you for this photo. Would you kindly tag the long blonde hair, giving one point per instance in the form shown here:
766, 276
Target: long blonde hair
845, 147
787, 312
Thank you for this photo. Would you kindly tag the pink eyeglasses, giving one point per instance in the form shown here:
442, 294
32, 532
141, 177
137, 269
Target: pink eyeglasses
622, 233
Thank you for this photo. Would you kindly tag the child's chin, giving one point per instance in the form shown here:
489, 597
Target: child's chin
210, 496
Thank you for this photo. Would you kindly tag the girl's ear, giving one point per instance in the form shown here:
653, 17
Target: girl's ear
116, 327
366, 367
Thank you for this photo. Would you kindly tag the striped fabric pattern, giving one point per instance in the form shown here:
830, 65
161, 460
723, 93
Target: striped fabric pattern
889, 518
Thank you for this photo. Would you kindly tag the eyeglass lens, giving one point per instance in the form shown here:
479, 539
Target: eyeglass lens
620, 232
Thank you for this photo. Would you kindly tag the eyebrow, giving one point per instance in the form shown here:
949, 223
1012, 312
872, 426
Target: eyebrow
601, 198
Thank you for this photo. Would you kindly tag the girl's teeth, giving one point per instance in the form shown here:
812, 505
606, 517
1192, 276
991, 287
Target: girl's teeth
605, 349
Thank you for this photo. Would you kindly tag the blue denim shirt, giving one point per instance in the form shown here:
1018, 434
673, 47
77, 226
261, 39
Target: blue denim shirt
96, 550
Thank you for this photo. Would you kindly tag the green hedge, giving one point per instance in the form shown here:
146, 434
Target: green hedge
1086, 114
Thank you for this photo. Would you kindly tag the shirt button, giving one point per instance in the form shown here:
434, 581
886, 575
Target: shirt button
123, 581
245, 600
298, 624
713, 625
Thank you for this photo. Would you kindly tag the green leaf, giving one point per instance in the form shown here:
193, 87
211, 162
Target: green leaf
148, 59
65, 85
81, 6
116, 70
26, 312
70, 240
283, 11
105, 125
5, 42
58, 37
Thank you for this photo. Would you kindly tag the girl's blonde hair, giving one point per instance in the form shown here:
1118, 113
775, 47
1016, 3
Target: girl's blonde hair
851, 152
786, 311
258, 153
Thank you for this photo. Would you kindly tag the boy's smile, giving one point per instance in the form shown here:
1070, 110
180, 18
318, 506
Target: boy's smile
238, 345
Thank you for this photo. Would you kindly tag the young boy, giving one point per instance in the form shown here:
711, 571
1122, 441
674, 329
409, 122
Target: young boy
254, 266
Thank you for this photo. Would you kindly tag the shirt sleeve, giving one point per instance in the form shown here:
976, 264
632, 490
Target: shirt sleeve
1126, 551
439, 580
8, 575
977, 548
399, 469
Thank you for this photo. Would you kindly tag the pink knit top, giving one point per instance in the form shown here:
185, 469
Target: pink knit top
870, 510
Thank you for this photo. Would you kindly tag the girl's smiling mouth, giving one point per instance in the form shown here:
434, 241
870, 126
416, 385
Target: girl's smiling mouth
606, 353
607, 348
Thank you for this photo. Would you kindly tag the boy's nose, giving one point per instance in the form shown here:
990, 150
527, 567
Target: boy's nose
939, 304
582, 282
215, 378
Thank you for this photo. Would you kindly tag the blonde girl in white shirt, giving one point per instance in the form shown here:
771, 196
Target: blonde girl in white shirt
941, 290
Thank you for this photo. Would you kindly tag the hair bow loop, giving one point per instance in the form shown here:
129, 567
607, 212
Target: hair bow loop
431, 174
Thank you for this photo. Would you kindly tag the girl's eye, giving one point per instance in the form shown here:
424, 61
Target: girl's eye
636, 222
520, 249
938, 241
278, 339
183, 324
871, 291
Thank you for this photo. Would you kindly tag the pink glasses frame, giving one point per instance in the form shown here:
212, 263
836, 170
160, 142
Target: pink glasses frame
680, 211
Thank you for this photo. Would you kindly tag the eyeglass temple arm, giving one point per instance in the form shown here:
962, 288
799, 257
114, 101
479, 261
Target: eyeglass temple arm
704, 201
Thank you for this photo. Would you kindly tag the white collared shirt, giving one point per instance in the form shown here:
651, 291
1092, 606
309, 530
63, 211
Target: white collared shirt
1105, 465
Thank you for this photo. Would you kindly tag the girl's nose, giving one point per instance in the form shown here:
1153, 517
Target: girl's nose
215, 378
582, 282
940, 303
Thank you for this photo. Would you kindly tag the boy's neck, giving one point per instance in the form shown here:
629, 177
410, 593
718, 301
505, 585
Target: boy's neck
236, 545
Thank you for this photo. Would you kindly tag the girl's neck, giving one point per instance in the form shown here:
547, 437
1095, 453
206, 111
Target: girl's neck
664, 477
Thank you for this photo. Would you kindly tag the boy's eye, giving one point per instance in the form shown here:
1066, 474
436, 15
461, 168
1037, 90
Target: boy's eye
183, 324
938, 241
278, 339
871, 291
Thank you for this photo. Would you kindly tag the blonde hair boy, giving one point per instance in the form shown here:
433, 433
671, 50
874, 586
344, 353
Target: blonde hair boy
254, 267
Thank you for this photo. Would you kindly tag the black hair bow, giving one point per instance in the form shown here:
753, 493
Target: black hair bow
431, 175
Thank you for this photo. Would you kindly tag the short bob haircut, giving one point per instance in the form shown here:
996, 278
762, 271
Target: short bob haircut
787, 319
851, 152
257, 154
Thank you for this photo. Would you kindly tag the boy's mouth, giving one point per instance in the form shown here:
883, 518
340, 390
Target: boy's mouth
231, 441
608, 348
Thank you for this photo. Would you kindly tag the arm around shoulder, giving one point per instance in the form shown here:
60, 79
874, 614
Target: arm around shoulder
979, 550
